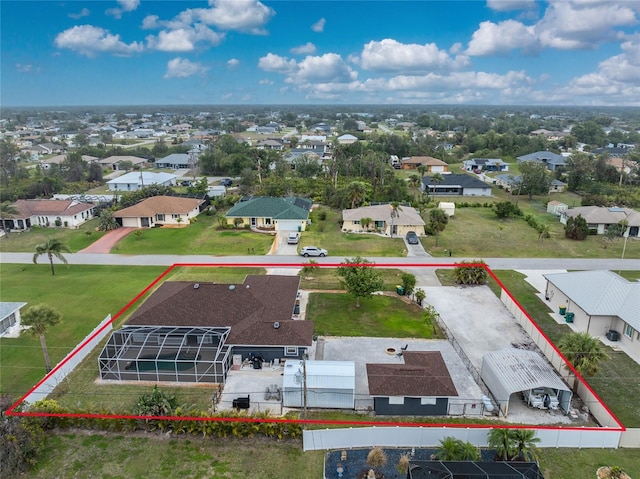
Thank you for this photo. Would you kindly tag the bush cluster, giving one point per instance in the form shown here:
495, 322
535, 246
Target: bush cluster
466, 204
531, 221
221, 424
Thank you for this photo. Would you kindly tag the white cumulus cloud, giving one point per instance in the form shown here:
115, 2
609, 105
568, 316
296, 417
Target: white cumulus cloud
125, 6
319, 25
82, 13
184, 39
391, 55
89, 40
305, 49
493, 38
183, 68
276, 63
234, 62
327, 68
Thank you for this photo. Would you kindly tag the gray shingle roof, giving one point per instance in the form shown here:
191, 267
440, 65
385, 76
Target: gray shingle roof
464, 181
544, 156
407, 215
289, 208
601, 293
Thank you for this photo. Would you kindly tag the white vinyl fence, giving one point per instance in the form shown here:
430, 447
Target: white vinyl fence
430, 437
69, 363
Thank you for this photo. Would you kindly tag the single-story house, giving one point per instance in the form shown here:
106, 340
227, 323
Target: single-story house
485, 164
433, 165
455, 185
601, 301
195, 332
48, 213
328, 384
347, 139
556, 207
557, 186
216, 191
10, 319
174, 161
508, 182
384, 219
273, 213
59, 159
422, 386
160, 211
551, 160
136, 180
512, 371
599, 218
270, 144
115, 162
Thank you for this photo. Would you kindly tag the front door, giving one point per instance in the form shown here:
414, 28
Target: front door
253, 222
144, 222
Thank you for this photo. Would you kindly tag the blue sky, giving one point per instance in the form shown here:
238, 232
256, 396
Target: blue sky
494, 52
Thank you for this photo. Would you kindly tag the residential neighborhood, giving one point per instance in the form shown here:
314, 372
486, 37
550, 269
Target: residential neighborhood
268, 333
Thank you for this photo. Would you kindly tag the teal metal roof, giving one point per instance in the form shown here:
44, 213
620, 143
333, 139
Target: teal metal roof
289, 208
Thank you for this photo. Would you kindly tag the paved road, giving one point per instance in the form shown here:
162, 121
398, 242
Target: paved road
168, 260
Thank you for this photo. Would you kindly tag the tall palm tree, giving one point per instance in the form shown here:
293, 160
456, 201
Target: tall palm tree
53, 247
40, 318
584, 352
395, 213
6, 210
357, 192
438, 221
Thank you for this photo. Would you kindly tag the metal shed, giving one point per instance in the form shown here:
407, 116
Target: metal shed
328, 384
512, 370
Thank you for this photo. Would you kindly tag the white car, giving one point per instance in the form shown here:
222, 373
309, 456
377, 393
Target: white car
307, 251
541, 398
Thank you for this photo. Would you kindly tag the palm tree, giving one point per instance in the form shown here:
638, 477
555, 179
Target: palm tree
448, 450
51, 248
357, 192
6, 210
503, 441
395, 213
584, 352
438, 221
544, 232
414, 182
526, 441
40, 318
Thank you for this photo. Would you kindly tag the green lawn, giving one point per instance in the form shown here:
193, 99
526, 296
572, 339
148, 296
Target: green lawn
477, 232
201, 237
327, 234
83, 294
111, 456
328, 279
379, 316
75, 239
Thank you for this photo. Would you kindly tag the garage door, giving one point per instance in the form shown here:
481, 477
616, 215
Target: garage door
288, 225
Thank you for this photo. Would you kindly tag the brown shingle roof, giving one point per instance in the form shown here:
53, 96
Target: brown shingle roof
423, 374
251, 309
159, 205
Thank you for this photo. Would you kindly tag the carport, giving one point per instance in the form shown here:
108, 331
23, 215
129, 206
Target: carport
513, 370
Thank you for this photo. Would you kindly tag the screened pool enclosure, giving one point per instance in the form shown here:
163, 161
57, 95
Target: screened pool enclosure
172, 354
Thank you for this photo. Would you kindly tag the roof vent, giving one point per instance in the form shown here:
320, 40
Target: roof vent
276, 325
232, 287
196, 286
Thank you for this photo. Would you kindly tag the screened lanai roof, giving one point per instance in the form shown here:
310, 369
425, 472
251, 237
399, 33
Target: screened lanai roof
521, 369
473, 470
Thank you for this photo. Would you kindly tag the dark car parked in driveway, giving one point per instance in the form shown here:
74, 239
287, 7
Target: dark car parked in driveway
412, 237
226, 182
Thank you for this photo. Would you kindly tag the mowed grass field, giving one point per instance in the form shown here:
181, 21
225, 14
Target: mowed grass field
81, 456
84, 295
379, 316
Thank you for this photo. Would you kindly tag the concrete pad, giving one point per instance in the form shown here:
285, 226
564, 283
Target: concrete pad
253, 383
535, 278
478, 320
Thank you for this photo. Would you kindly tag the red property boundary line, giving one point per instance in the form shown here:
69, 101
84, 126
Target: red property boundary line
12, 410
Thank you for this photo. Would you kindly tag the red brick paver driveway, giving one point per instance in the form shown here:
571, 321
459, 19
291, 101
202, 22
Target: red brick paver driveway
104, 244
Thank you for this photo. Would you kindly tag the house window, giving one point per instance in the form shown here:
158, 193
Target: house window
175, 217
428, 401
7, 322
397, 400
159, 217
267, 221
379, 224
291, 351
628, 331
356, 222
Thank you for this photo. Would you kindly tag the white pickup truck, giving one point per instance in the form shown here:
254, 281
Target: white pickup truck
293, 238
